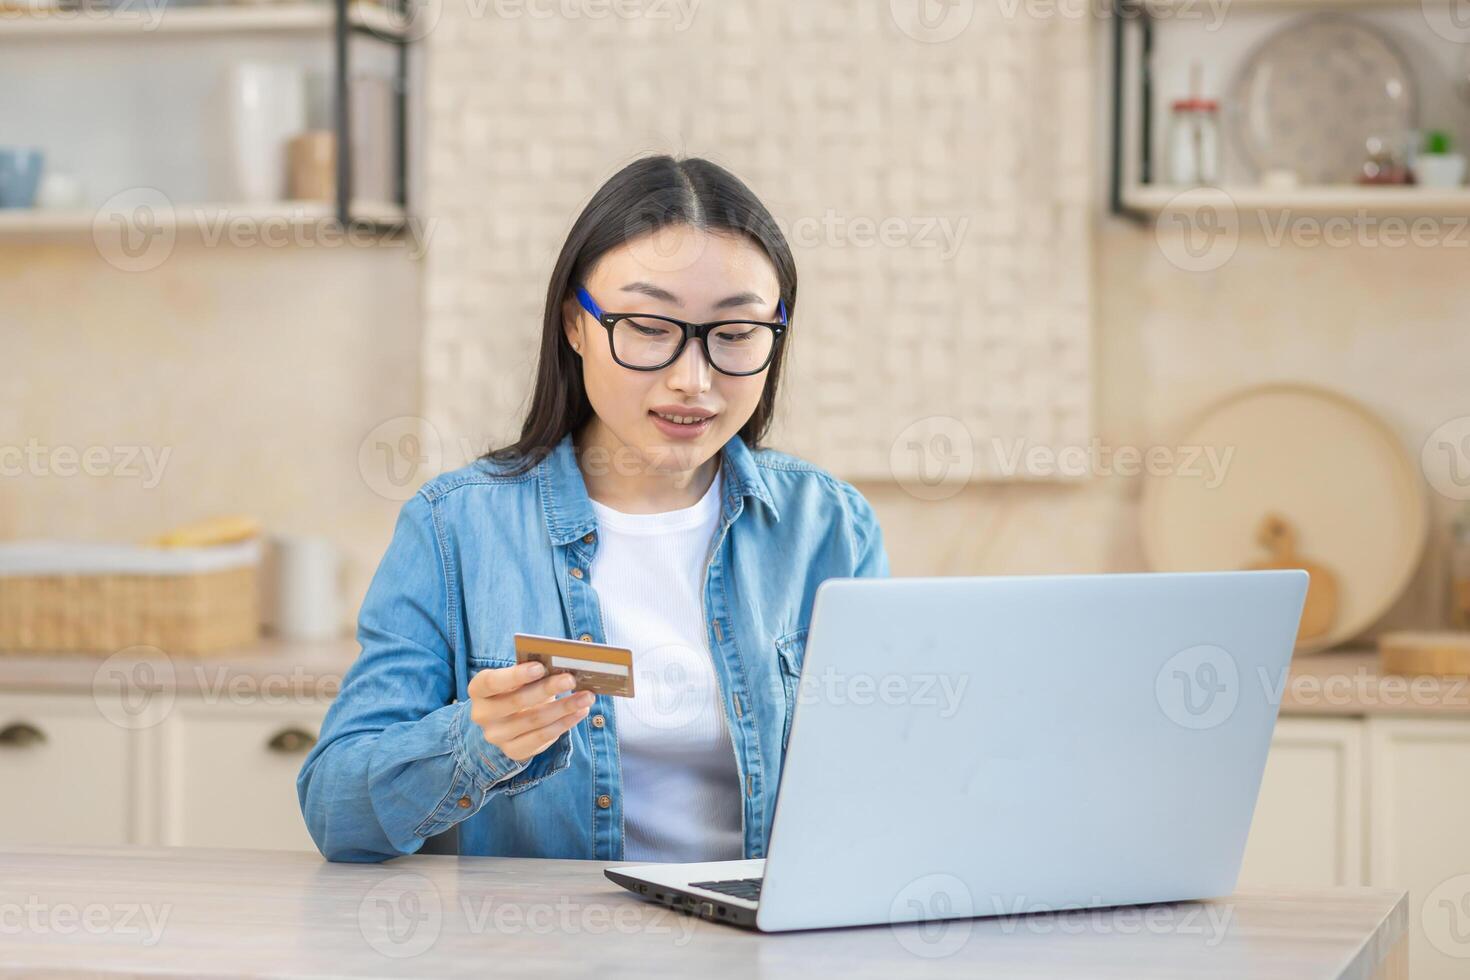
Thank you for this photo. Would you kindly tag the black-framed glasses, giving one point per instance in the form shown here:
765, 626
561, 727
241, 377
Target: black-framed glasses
648, 342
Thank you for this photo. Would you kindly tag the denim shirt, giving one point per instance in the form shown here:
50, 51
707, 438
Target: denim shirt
478, 555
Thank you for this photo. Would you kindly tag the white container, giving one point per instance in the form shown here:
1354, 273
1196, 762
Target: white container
264, 106
302, 593
1440, 170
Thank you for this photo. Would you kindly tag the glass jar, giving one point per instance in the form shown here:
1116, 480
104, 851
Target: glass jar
1194, 142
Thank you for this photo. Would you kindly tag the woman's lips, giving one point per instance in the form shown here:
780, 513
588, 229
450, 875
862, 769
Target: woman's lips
679, 430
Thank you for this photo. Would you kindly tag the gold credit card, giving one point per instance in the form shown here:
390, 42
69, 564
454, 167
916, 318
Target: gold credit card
596, 667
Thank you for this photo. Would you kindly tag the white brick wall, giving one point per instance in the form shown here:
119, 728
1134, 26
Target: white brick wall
973, 150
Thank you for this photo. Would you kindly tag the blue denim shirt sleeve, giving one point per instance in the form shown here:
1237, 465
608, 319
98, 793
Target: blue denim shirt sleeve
397, 753
872, 556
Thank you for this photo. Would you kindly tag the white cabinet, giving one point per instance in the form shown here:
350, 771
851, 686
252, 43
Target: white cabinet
1373, 800
67, 773
1309, 821
228, 774
1420, 813
82, 768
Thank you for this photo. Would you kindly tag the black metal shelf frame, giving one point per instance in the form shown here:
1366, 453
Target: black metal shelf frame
344, 30
1123, 12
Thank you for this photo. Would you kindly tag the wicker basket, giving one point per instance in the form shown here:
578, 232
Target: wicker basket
100, 599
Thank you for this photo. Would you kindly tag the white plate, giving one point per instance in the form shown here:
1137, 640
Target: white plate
1309, 97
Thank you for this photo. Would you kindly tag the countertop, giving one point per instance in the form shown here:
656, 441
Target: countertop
155, 911
1346, 682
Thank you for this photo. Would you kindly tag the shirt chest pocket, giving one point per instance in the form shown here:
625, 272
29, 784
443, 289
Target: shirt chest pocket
790, 653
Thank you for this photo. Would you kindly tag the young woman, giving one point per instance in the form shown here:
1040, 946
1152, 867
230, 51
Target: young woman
636, 509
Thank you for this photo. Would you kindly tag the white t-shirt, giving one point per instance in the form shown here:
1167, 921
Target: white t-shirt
681, 788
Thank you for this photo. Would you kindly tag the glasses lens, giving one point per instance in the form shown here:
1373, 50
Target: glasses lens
740, 347
645, 341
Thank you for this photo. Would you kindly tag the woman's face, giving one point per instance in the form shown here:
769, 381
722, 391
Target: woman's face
695, 275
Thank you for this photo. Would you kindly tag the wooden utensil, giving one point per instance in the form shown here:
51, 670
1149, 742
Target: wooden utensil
1279, 537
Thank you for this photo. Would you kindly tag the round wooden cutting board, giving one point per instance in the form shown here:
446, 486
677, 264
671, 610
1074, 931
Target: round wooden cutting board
1319, 464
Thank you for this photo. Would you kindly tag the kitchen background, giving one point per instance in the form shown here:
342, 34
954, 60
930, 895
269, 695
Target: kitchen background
174, 290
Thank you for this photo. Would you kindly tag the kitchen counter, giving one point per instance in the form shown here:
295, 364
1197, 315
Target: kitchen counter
1345, 682
156, 911
1349, 682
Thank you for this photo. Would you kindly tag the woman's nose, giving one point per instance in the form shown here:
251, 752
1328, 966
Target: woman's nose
691, 372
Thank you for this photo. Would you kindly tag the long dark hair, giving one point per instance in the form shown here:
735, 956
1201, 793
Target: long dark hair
648, 194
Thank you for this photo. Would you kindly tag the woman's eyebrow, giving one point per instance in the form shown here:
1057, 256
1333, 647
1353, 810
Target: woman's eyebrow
659, 293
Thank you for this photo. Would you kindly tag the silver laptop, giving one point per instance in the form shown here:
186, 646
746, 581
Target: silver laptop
995, 746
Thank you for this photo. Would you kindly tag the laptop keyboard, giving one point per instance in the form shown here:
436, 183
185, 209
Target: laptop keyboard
746, 888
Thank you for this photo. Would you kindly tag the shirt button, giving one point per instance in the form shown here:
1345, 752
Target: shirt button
589, 538
576, 573
604, 801
464, 802
585, 637
598, 721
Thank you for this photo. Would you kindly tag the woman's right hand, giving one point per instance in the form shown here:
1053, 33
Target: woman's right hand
519, 710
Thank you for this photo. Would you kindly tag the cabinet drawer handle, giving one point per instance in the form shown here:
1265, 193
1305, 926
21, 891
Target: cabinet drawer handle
290, 741
20, 734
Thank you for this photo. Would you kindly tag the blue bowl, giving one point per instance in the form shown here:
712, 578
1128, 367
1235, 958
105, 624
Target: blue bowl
20, 175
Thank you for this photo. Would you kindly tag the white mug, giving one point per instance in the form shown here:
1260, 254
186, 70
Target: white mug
302, 593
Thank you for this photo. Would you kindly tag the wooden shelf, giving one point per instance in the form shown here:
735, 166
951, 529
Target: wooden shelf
194, 216
286, 18
1324, 200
